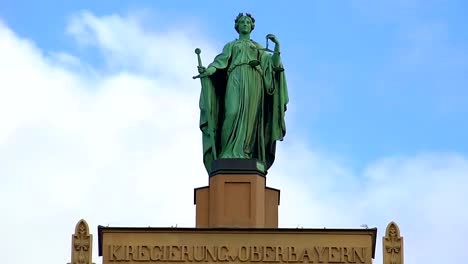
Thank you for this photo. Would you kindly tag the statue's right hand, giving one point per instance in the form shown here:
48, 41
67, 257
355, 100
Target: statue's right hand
206, 72
201, 69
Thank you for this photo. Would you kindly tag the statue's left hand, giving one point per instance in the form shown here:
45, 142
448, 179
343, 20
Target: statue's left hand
273, 38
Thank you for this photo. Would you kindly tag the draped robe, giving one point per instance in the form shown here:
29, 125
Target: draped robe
242, 105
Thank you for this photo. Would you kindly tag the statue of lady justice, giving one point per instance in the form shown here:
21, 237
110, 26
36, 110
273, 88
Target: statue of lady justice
243, 99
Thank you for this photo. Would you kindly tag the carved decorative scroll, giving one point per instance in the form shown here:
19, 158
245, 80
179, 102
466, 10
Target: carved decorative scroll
82, 244
392, 245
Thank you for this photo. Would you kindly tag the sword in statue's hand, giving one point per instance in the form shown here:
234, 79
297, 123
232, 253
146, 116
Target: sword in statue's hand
209, 101
200, 66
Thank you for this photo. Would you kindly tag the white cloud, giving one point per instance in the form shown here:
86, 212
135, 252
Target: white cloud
423, 193
124, 42
110, 145
104, 146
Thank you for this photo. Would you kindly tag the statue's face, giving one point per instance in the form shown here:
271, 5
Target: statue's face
244, 25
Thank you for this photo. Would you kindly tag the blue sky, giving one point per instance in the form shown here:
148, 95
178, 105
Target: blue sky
369, 79
378, 102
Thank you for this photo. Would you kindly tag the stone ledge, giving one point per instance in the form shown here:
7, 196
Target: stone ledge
238, 166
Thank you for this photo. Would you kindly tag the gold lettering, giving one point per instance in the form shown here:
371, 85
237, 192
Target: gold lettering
268, 254
185, 254
225, 253
153, 255
223, 256
281, 252
305, 254
256, 254
130, 252
164, 253
292, 255
211, 253
113, 250
361, 255
334, 254
347, 255
320, 253
125, 251
143, 253
243, 254
201, 250
169, 253
173, 253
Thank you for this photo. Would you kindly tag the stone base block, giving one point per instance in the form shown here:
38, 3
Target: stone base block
237, 196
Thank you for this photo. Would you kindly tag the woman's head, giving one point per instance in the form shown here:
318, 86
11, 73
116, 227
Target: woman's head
244, 23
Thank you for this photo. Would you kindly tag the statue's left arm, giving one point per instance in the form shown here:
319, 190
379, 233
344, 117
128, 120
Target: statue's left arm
276, 54
276, 99
273, 71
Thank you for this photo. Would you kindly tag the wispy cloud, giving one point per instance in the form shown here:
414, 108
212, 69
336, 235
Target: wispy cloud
108, 147
423, 193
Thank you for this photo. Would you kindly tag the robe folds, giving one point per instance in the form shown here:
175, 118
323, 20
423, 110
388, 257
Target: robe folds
242, 105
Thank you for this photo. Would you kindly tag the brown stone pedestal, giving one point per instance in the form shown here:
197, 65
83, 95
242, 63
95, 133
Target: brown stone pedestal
237, 222
237, 196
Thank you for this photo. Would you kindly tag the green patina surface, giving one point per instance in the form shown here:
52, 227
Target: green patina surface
243, 99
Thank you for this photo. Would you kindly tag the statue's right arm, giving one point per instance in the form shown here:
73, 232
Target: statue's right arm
210, 70
222, 60
219, 62
206, 72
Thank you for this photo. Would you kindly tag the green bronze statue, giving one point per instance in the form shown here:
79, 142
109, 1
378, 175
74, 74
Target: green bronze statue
243, 99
